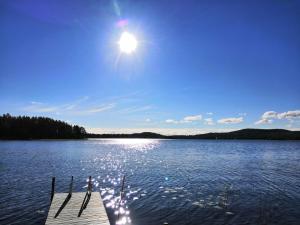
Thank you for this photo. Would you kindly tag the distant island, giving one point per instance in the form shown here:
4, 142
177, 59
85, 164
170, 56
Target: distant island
27, 128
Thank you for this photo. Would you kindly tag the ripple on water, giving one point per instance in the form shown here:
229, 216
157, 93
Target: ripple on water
207, 181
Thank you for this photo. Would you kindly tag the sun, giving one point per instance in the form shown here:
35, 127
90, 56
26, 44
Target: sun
127, 43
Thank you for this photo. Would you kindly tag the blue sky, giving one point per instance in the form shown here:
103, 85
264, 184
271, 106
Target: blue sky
199, 66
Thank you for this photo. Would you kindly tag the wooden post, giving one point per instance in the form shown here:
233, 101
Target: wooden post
71, 186
67, 199
90, 184
52, 188
86, 197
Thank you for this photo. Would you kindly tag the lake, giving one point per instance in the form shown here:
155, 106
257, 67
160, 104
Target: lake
175, 181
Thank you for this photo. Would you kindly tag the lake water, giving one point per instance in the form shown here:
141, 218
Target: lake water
175, 181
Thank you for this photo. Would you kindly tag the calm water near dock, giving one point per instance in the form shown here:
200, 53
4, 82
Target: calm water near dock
175, 181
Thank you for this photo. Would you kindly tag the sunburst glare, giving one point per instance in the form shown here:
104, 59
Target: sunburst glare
127, 43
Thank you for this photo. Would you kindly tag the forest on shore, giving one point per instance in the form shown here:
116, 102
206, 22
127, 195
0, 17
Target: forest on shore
25, 127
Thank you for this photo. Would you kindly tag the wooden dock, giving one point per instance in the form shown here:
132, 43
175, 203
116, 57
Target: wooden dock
94, 213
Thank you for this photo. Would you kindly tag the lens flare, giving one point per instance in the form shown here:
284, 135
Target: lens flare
122, 23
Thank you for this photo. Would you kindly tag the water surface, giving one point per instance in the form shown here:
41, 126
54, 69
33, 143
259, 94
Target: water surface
174, 181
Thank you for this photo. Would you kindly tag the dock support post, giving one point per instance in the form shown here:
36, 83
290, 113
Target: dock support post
67, 199
86, 197
52, 188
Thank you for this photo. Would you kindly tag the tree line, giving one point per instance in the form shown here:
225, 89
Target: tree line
25, 127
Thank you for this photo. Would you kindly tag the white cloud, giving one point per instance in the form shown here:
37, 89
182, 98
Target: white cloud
171, 121
209, 121
209, 113
192, 118
289, 115
187, 119
263, 121
148, 120
267, 118
269, 115
231, 120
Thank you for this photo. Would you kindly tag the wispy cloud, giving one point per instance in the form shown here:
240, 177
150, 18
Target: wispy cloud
148, 120
76, 103
38, 107
231, 120
98, 109
136, 109
73, 108
209, 121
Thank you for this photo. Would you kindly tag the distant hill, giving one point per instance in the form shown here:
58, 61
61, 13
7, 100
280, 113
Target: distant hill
265, 134
25, 127
262, 134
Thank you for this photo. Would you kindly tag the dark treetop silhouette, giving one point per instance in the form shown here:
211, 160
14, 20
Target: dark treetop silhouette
25, 127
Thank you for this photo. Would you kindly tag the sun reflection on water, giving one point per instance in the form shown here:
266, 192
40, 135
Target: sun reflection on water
128, 157
138, 144
112, 165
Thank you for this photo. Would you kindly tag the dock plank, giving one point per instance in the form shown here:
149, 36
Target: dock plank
93, 214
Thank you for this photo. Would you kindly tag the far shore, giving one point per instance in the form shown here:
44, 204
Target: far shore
244, 134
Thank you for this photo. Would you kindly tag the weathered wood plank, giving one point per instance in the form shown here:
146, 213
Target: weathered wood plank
93, 214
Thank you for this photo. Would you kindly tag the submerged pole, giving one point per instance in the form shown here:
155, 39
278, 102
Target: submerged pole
121, 195
123, 182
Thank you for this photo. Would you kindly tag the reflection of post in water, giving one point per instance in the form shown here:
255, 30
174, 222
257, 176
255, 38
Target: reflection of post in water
266, 210
121, 195
226, 194
226, 199
86, 197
